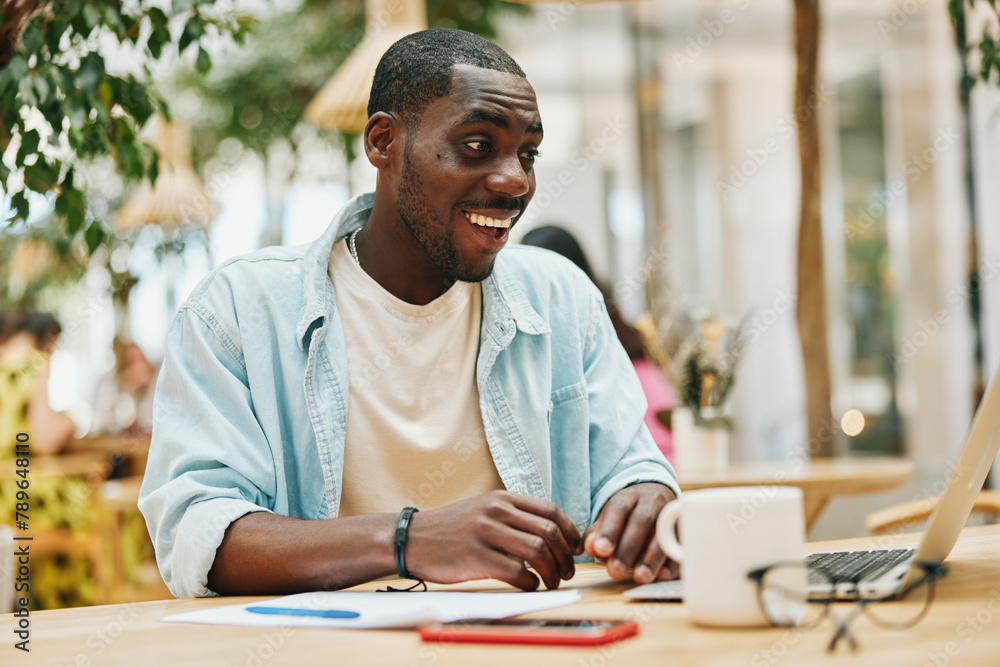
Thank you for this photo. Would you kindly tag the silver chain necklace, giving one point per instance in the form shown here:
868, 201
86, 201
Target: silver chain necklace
352, 245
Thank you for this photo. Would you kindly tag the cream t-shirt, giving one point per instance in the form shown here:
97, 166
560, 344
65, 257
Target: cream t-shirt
414, 428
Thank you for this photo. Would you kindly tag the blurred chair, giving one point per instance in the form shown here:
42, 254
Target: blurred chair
127, 563
65, 554
904, 515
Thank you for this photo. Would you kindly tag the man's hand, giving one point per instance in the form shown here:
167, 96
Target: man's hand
624, 535
491, 536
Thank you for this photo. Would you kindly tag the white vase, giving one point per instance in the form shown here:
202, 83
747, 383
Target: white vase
696, 447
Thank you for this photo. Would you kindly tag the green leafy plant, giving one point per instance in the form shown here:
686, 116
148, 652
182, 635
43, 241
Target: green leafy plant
34, 260
987, 49
62, 107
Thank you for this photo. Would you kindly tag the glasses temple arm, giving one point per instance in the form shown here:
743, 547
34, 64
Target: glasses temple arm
844, 630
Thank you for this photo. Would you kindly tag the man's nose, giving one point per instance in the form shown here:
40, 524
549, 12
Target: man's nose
508, 177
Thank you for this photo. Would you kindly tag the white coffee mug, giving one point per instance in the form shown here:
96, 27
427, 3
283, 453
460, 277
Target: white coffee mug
726, 533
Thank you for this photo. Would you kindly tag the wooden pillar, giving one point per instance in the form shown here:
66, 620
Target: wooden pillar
811, 303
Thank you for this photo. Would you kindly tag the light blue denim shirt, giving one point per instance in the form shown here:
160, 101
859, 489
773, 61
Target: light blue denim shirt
251, 403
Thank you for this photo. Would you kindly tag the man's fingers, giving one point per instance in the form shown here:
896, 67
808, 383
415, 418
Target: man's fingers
533, 549
613, 519
648, 567
589, 537
554, 539
625, 527
671, 570
636, 535
510, 570
551, 511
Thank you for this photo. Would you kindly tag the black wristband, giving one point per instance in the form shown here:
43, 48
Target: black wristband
399, 542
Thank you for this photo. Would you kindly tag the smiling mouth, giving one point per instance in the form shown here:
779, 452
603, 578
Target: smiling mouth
497, 228
487, 221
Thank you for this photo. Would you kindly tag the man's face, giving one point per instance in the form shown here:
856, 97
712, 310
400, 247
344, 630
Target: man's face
468, 170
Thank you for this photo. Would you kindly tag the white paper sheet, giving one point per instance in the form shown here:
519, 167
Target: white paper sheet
383, 610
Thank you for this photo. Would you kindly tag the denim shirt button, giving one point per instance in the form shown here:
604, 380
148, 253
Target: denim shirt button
501, 327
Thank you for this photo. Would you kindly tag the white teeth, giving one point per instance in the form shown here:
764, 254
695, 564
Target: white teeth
486, 221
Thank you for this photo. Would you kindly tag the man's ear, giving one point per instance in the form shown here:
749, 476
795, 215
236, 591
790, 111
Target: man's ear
382, 134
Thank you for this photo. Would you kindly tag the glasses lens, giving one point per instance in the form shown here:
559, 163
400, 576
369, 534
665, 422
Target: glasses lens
792, 595
902, 609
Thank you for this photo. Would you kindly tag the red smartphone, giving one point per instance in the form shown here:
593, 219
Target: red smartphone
573, 632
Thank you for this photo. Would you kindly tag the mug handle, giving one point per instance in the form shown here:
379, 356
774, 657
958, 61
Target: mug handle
666, 525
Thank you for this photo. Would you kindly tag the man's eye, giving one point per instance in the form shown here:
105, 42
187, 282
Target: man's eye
530, 155
479, 146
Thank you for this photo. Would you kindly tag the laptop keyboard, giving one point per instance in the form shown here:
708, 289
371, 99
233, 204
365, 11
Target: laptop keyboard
857, 566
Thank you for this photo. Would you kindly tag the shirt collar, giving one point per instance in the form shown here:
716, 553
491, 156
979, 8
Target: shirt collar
317, 293
502, 295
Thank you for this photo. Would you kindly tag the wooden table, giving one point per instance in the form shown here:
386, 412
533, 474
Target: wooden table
92, 466
111, 444
962, 628
134, 448
819, 479
89, 458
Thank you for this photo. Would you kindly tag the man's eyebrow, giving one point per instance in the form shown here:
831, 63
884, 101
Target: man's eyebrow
482, 116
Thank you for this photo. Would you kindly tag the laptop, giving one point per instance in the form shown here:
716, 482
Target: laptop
881, 571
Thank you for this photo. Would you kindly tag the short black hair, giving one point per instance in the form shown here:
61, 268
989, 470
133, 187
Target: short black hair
561, 241
416, 70
38, 325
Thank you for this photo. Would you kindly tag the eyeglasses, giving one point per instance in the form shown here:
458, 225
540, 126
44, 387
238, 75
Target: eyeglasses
796, 595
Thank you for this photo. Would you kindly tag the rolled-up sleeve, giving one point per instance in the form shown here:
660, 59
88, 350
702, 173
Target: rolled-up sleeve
622, 451
209, 462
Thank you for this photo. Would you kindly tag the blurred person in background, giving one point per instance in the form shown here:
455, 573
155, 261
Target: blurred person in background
26, 344
124, 396
659, 395
27, 341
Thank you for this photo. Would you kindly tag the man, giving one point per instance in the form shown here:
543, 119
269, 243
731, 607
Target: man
310, 394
